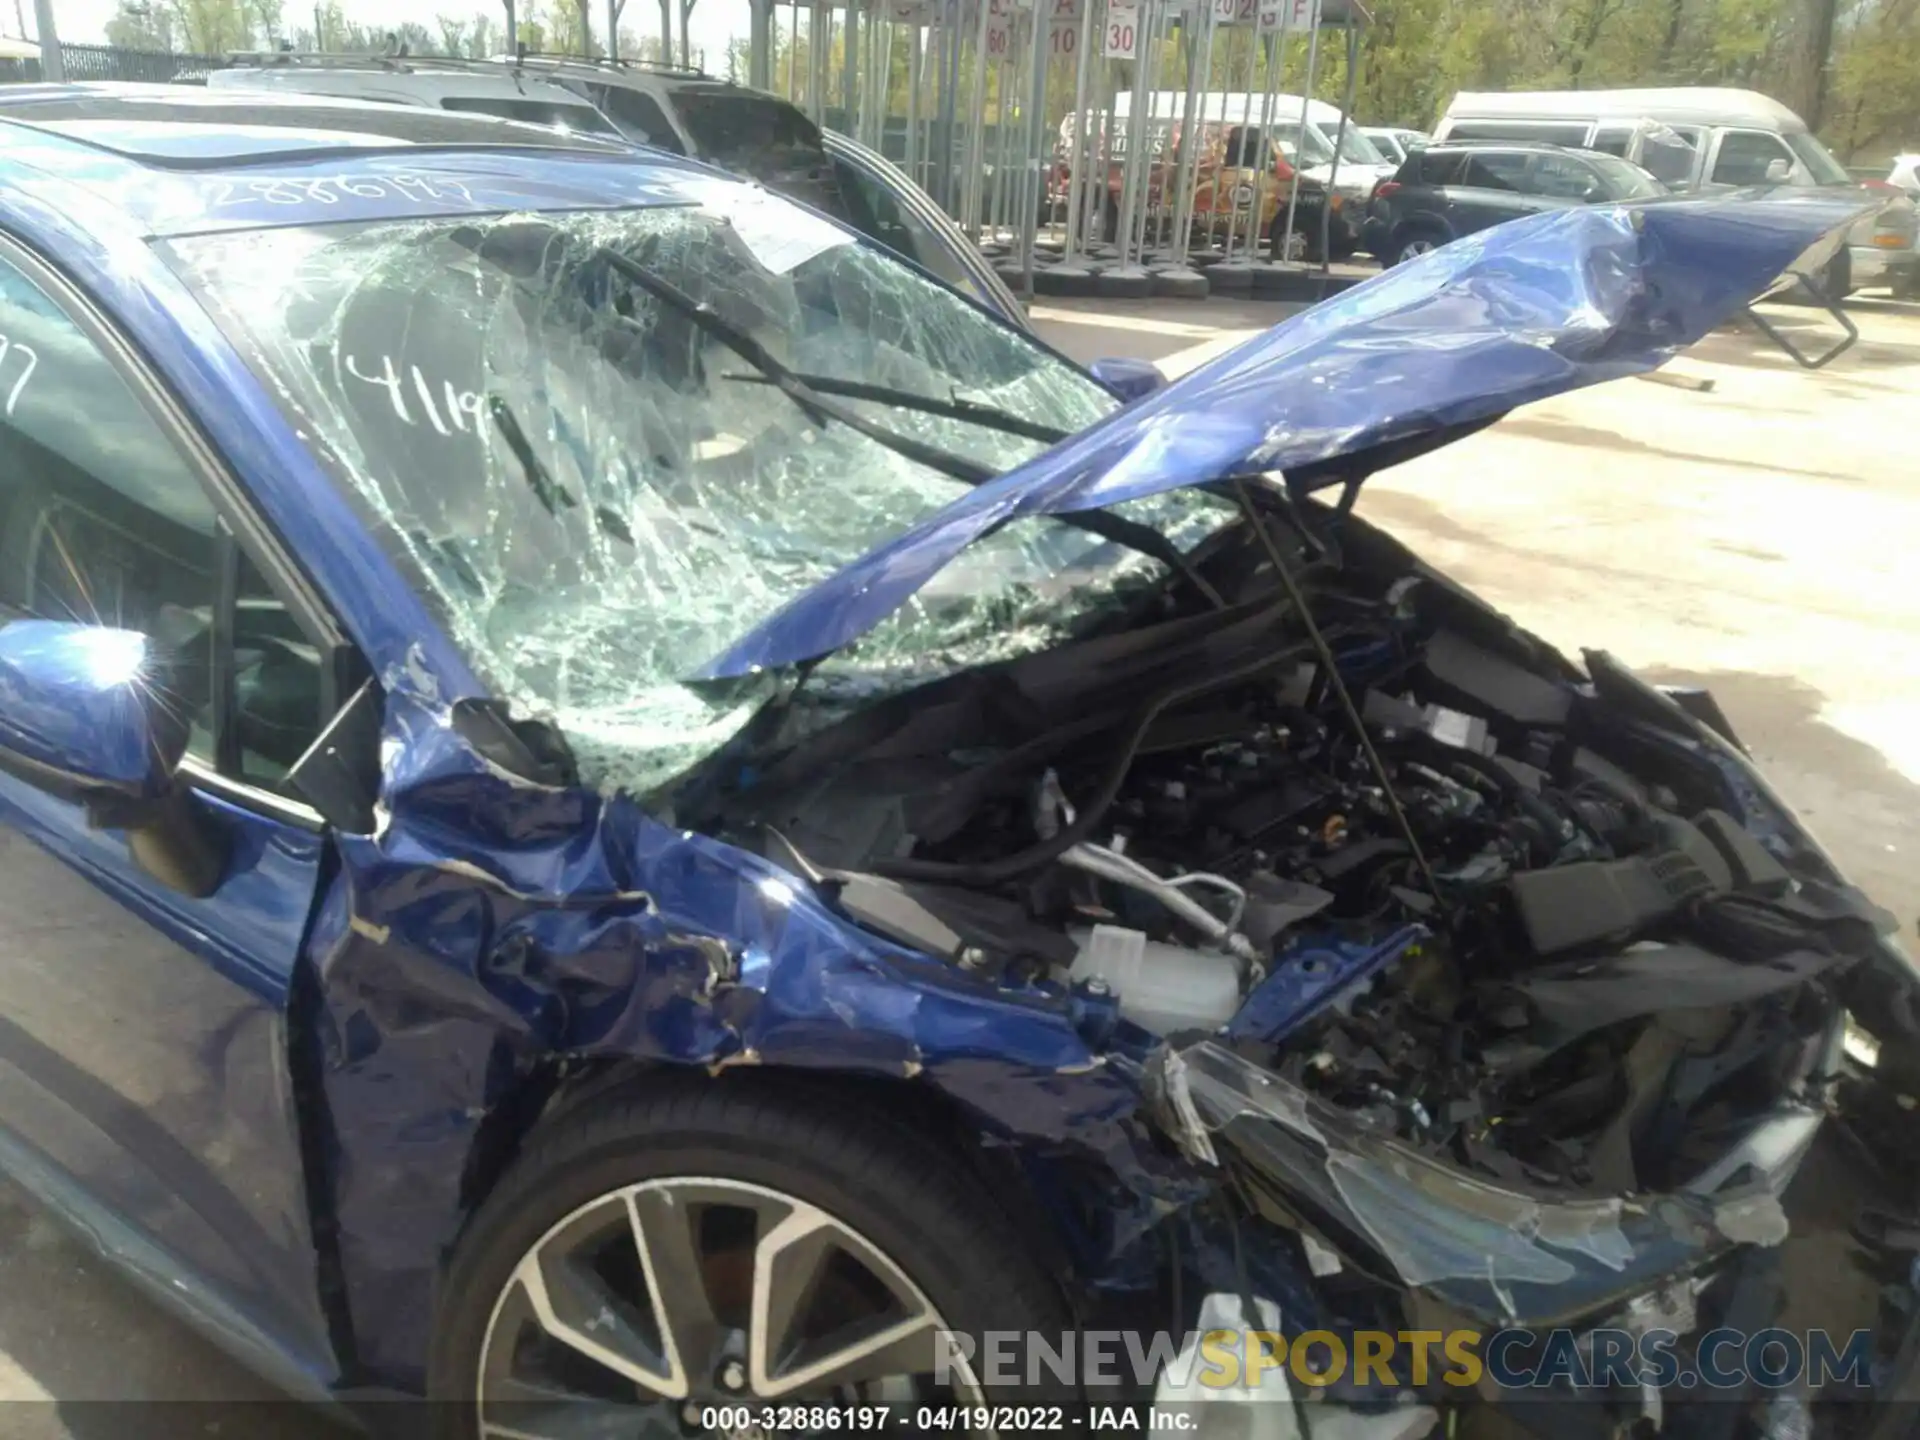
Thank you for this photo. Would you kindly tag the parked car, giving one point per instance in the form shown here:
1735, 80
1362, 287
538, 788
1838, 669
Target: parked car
452, 85
1699, 137
1445, 191
685, 111
743, 131
768, 138
1393, 143
619, 809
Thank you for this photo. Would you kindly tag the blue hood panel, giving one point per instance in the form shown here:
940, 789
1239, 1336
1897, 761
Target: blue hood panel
1497, 320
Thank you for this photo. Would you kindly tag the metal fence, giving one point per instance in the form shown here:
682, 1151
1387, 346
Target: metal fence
111, 62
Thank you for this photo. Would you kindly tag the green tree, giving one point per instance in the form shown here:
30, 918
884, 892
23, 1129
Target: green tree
213, 27
1875, 107
141, 25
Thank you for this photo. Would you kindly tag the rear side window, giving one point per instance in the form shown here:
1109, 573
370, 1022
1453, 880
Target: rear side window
738, 130
1496, 170
639, 115
1435, 167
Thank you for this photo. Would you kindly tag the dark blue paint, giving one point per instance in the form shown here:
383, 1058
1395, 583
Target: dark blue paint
143, 1051
494, 924
1463, 334
1308, 974
79, 700
493, 927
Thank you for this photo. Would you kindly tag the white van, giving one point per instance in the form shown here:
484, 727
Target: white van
1689, 138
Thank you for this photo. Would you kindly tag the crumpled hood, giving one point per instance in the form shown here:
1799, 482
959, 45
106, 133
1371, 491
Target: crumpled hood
1533, 308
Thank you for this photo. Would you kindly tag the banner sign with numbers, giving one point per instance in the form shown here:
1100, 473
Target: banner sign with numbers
999, 37
1299, 16
1121, 38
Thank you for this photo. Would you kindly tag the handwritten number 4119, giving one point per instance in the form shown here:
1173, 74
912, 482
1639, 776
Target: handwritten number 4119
448, 414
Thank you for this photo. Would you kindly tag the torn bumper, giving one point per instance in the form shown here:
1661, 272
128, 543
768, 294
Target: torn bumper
1499, 1255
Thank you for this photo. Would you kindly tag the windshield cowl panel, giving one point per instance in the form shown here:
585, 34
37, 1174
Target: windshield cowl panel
597, 489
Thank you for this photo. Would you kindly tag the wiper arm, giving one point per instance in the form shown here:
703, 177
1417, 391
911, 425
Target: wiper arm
988, 417
552, 495
812, 399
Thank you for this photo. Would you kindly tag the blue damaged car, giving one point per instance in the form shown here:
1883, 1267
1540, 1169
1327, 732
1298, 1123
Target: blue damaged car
620, 810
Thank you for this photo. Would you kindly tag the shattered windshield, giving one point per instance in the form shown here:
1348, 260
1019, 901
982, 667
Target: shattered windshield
598, 492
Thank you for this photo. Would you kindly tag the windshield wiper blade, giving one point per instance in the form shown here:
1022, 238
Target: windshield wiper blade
988, 417
818, 407
552, 495
1108, 526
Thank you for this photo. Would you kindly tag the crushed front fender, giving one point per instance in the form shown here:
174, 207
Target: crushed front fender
491, 927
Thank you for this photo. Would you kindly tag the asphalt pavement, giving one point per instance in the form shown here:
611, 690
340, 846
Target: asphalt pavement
1756, 537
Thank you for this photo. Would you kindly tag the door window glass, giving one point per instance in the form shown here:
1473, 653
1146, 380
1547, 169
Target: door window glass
1562, 177
1496, 170
639, 116
277, 689
877, 211
1744, 156
103, 521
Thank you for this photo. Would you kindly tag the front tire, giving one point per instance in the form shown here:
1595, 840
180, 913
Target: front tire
705, 1242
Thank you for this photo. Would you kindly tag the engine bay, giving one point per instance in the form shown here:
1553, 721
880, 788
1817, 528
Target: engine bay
1502, 907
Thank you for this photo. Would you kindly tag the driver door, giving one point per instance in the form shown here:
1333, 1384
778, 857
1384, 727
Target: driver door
147, 1072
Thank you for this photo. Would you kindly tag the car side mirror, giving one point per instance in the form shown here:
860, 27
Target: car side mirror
1778, 172
1131, 380
87, 714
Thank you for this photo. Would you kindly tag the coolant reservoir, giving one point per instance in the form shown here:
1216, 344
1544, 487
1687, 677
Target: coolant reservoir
1167, 988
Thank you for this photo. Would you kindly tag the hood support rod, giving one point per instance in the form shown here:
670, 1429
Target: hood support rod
1324, 652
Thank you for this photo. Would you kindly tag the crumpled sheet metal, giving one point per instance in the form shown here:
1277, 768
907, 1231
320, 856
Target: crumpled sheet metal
1496, 320
492, 924
1498, 1254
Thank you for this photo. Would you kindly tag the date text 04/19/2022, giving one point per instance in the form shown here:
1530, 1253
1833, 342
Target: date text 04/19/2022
930, 1419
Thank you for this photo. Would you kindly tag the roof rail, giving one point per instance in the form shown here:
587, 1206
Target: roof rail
613, 62
327, 60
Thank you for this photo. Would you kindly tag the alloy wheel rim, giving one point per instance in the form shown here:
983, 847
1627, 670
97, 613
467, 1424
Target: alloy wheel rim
647, 1308
1416, 247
